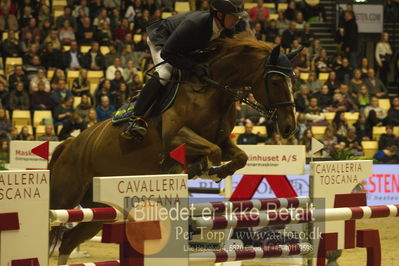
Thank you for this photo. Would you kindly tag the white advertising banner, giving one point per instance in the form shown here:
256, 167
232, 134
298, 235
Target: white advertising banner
369, 18
274, 160
25, 194
21, 156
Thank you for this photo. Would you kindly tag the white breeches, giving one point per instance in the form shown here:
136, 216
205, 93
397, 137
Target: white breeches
164, 70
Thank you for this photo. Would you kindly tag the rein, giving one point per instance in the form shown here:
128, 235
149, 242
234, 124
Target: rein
268, 112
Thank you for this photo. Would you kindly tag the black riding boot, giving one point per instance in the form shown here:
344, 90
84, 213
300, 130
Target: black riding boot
137, 126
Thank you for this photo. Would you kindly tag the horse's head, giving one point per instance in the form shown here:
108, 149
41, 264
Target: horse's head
277, 93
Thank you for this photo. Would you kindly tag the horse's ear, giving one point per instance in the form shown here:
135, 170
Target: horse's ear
293, 54
274, 55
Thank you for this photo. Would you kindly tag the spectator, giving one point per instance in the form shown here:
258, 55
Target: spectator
4, 96
83, 108
364, 67
26, 15
351, 98
383, 56
344, 72
302, 99
289, 13
375, 115
11, 45
33, 29
66, 34
45, 28
53, 38
81, 84
282, 22
5, 125
45, 15
313, 112
387, 155
8, 21
94, 59
32, 67
356, 82
116, 81
249, 137
249, 114
91, 117
104, 109
66, 16
363, 131
329, 139
289, 35
18, 76
70, 125
324, 98
276, 139
86, 33
19, 98
142, 22
128, 54
332, 82
374, 85
48, 134
111, 55
307, 35
133, 9
41, 76
353, 142
363, 97
301, 61
350, 36
300, 22
24, 134
14, 133
61, 93
41, 99
271, 31
104, 89
95, 7
110, 74
306, 140
101, 18
322, 62
32, 51
340, 125
393, 112
73, 59
115, 19
313, 83
120, 96
58, 74
81, 8
340, 103
298, 80
50, 57
387, 139
63, 111
129, 72
259, 8
314, 49
137, 84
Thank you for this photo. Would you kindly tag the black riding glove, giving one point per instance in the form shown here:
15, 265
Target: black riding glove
201, 70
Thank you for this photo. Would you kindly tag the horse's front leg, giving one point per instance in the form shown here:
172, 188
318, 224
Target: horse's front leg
237, 159
198, 149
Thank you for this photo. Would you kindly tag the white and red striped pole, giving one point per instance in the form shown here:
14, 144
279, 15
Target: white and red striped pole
248, 205
251, 253
104, 263
295, 216
85, 215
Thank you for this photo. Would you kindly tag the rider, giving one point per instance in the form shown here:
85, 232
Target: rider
174, 40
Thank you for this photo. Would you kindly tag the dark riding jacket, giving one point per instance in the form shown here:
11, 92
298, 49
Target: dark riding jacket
180, 36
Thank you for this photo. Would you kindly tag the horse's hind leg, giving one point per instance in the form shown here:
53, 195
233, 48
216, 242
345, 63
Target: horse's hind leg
80, 233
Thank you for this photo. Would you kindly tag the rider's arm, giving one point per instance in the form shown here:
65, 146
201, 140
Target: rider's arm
180, 44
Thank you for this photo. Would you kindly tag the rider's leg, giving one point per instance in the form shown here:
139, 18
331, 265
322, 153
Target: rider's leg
137, 123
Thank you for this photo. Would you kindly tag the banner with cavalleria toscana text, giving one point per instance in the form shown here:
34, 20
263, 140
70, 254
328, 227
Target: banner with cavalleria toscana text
274, 160
21, 156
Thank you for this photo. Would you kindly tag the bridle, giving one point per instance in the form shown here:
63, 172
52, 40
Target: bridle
269, 111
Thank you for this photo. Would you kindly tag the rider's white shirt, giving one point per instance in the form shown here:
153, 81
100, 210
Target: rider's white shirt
215, 30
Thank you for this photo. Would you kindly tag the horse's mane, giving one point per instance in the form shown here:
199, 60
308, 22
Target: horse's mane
240, 45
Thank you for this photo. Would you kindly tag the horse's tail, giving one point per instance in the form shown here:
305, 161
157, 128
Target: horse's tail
57, 152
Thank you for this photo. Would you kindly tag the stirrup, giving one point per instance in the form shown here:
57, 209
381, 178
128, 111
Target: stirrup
136, 129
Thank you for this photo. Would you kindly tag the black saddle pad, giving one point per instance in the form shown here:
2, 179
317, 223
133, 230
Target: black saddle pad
163, 102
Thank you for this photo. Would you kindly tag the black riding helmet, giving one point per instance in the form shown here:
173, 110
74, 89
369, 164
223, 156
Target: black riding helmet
232, 7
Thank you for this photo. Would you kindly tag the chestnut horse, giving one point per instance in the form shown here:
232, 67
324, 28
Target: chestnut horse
201, 118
